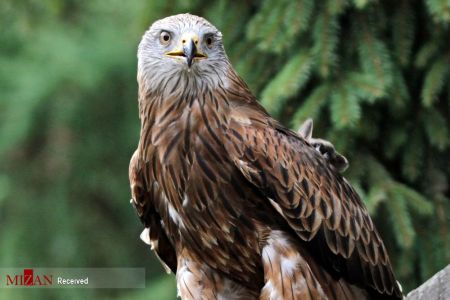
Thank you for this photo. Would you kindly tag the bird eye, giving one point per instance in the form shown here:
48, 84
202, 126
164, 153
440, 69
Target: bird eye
209, 41
164, 38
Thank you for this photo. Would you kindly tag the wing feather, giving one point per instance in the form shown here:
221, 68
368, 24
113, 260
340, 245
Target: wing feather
314, 199
144, 196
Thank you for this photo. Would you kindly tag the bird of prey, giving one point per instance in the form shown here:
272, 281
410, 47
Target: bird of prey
233, 202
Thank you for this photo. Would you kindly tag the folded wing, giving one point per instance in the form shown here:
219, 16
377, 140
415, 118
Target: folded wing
314, 199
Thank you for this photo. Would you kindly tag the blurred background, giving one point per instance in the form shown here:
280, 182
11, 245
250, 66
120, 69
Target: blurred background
374, 75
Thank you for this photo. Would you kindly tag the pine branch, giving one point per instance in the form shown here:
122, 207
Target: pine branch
325, 36
287, 82
395, 139
376, 195
434, 81
440, 10
298, 15
311, 107
425, 54
400, 219
412, 159
374, 56
344, 106
403, 32
414, 200
366, 86
436, 128
399, 93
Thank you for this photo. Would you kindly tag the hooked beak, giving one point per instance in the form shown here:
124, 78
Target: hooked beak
188, 49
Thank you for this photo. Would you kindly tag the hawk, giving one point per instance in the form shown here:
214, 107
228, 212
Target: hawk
234, 203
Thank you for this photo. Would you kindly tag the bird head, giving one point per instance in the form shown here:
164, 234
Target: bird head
181, 49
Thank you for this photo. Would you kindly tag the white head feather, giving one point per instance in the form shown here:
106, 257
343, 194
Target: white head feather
162, 73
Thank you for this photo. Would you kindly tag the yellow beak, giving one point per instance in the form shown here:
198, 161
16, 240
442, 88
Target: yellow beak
187, 48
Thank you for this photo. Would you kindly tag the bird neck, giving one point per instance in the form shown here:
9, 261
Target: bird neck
182, 94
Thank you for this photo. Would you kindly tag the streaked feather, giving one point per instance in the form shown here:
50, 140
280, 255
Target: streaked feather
234, 201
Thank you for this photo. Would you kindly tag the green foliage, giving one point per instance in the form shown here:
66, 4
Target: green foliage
435, 79
413, 156
400, 220
325, 37
439, 10
436, 128
374, 57
287, 82
68, 125
403, 28
374, 75
344, 106
291, 17
365, 86
311, 106
376, 81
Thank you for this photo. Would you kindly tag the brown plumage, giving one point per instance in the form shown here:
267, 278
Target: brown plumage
239, 206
